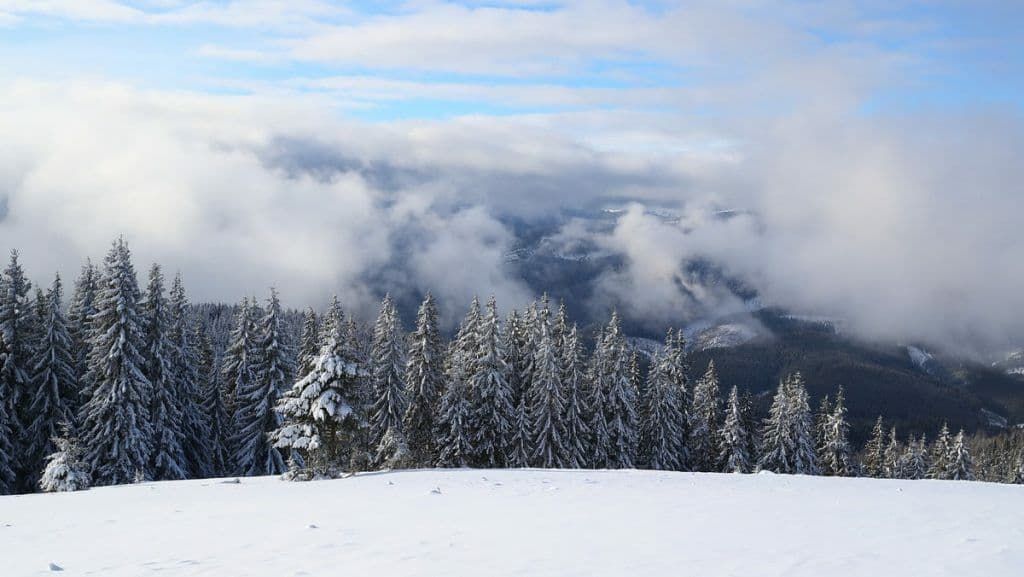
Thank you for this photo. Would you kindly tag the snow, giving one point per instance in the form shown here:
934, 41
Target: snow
725, 336
994, 419
705, 335
521, 522
832, 323
919, 357
1011, 362
646, 347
